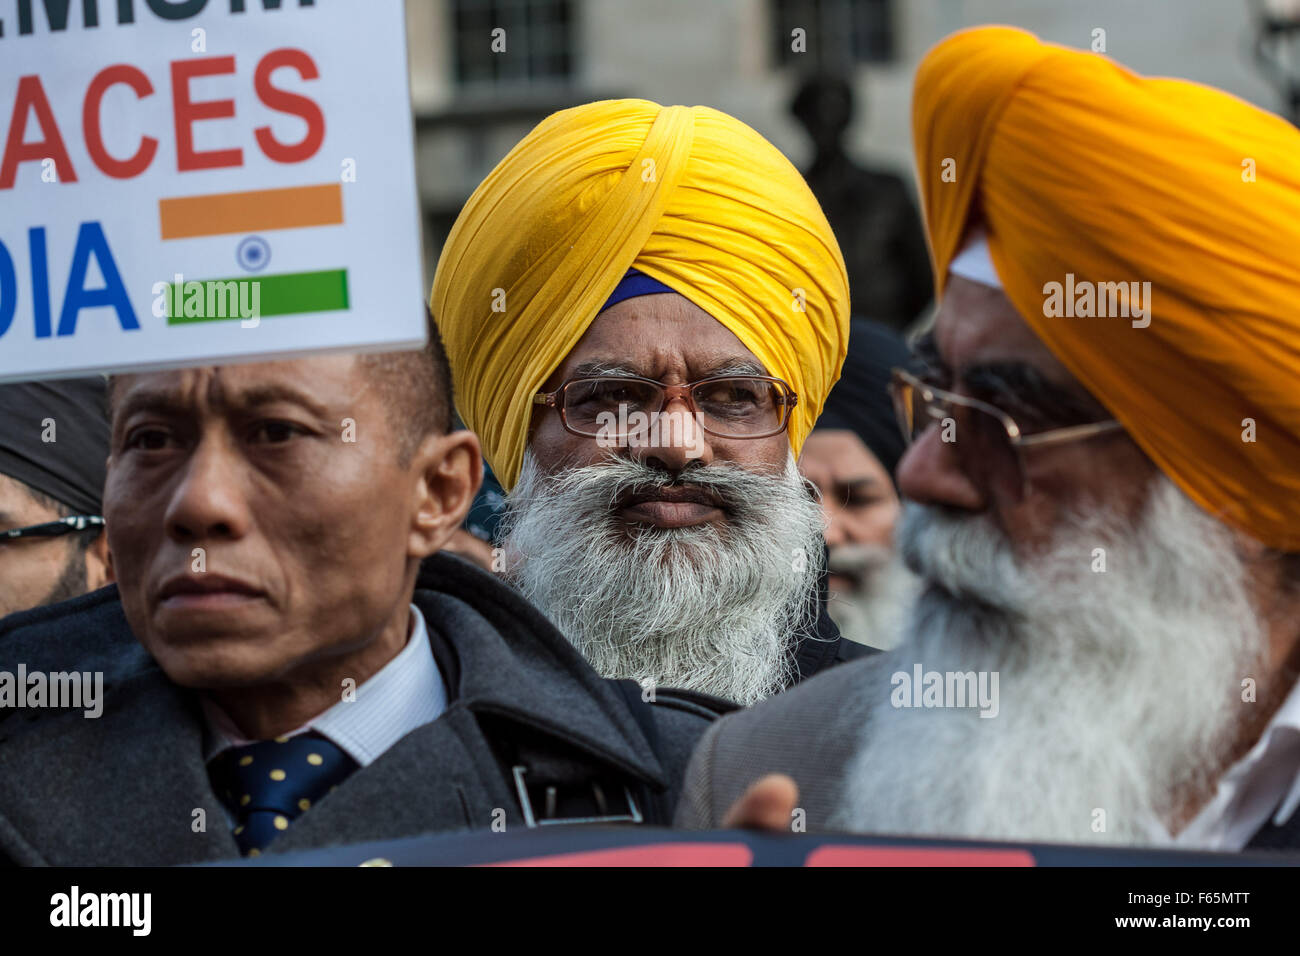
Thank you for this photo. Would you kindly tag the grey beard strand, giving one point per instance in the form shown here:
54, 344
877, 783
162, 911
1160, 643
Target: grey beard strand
705, 608
1119, 690
875, 609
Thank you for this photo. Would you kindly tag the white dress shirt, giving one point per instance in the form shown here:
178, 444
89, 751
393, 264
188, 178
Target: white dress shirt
406, 693
1265, 779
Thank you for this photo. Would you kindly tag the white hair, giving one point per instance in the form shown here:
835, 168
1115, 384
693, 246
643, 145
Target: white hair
1120, 654
873, 609
713, 608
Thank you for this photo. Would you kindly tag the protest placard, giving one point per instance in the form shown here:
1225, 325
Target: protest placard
189, 181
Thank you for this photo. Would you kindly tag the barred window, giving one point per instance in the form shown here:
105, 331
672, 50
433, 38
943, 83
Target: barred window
837, 33
538, 41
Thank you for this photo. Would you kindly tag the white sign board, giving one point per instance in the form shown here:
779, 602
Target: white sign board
202, 181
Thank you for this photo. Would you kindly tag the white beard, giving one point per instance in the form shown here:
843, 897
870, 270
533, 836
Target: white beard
1120, 691
874, 609
706, 608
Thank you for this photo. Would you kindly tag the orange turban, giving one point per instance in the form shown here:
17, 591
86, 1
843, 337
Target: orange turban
1076, 165
687, 195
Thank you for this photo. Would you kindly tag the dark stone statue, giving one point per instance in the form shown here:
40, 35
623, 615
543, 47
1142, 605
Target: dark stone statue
871, 211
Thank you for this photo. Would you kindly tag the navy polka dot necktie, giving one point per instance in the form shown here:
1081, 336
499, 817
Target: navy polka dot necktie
269, 784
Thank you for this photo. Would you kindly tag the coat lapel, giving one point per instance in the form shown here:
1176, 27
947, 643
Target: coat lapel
429, 780
514, 664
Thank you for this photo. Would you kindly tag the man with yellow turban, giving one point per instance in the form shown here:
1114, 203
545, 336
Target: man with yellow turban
645, 309
1103, 483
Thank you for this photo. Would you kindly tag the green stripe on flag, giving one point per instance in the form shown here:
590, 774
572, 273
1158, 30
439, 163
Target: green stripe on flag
288, 294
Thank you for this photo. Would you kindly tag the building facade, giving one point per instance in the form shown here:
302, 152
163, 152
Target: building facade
483, 72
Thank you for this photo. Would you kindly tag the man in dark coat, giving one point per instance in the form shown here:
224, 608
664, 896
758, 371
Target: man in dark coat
267, 676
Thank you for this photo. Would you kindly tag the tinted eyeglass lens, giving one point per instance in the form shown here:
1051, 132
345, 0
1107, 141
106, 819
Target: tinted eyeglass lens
606, 406
901, 393
987, 453
915, 412
983, 448
740, 407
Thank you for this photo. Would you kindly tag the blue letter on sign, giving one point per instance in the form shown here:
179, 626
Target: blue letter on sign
8, 289
91, 241
40, 281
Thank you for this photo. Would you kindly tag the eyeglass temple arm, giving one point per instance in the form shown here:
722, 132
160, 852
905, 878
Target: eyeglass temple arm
1069, 433
72, 522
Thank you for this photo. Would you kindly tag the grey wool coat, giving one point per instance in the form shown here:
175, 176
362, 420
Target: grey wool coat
811, 733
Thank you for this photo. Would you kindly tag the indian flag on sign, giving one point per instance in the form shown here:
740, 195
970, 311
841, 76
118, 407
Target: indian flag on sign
261, 210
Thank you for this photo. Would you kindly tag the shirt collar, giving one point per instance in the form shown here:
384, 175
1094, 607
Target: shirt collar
1229, 818
405, 693
1282, 730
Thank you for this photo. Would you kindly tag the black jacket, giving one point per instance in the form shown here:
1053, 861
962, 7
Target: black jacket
824, 646
528, 725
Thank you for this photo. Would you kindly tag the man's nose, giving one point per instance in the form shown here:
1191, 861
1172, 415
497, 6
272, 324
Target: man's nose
930, 473
674, 439
209, 501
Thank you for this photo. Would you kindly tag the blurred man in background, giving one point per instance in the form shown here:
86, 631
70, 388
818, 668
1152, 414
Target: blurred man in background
870, 211
1104, 495
850, 457
53, 445
644, 309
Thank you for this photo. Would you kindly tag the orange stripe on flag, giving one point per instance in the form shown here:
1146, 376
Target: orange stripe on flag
223, 213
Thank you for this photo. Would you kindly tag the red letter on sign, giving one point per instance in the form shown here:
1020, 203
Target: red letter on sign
31, 98
117, 168
187, 112
291, 103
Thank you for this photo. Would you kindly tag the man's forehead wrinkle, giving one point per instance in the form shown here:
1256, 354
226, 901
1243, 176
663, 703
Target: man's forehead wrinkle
713, 362
215, 393
174, 391
978, 327
243, 388
208, 390
265, 393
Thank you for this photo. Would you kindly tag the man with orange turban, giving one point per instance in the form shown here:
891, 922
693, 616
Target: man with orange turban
1104, 483
645, 309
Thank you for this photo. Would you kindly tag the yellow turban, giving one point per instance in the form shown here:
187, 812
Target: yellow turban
1076, 165
687, 195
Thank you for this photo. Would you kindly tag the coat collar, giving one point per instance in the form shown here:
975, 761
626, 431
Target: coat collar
820, 646
500, 656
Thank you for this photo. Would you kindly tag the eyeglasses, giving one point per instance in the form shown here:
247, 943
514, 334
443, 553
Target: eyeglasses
619, 407
988, 440
52, 529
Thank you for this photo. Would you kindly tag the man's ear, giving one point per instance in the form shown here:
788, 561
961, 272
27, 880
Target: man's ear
450, 470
